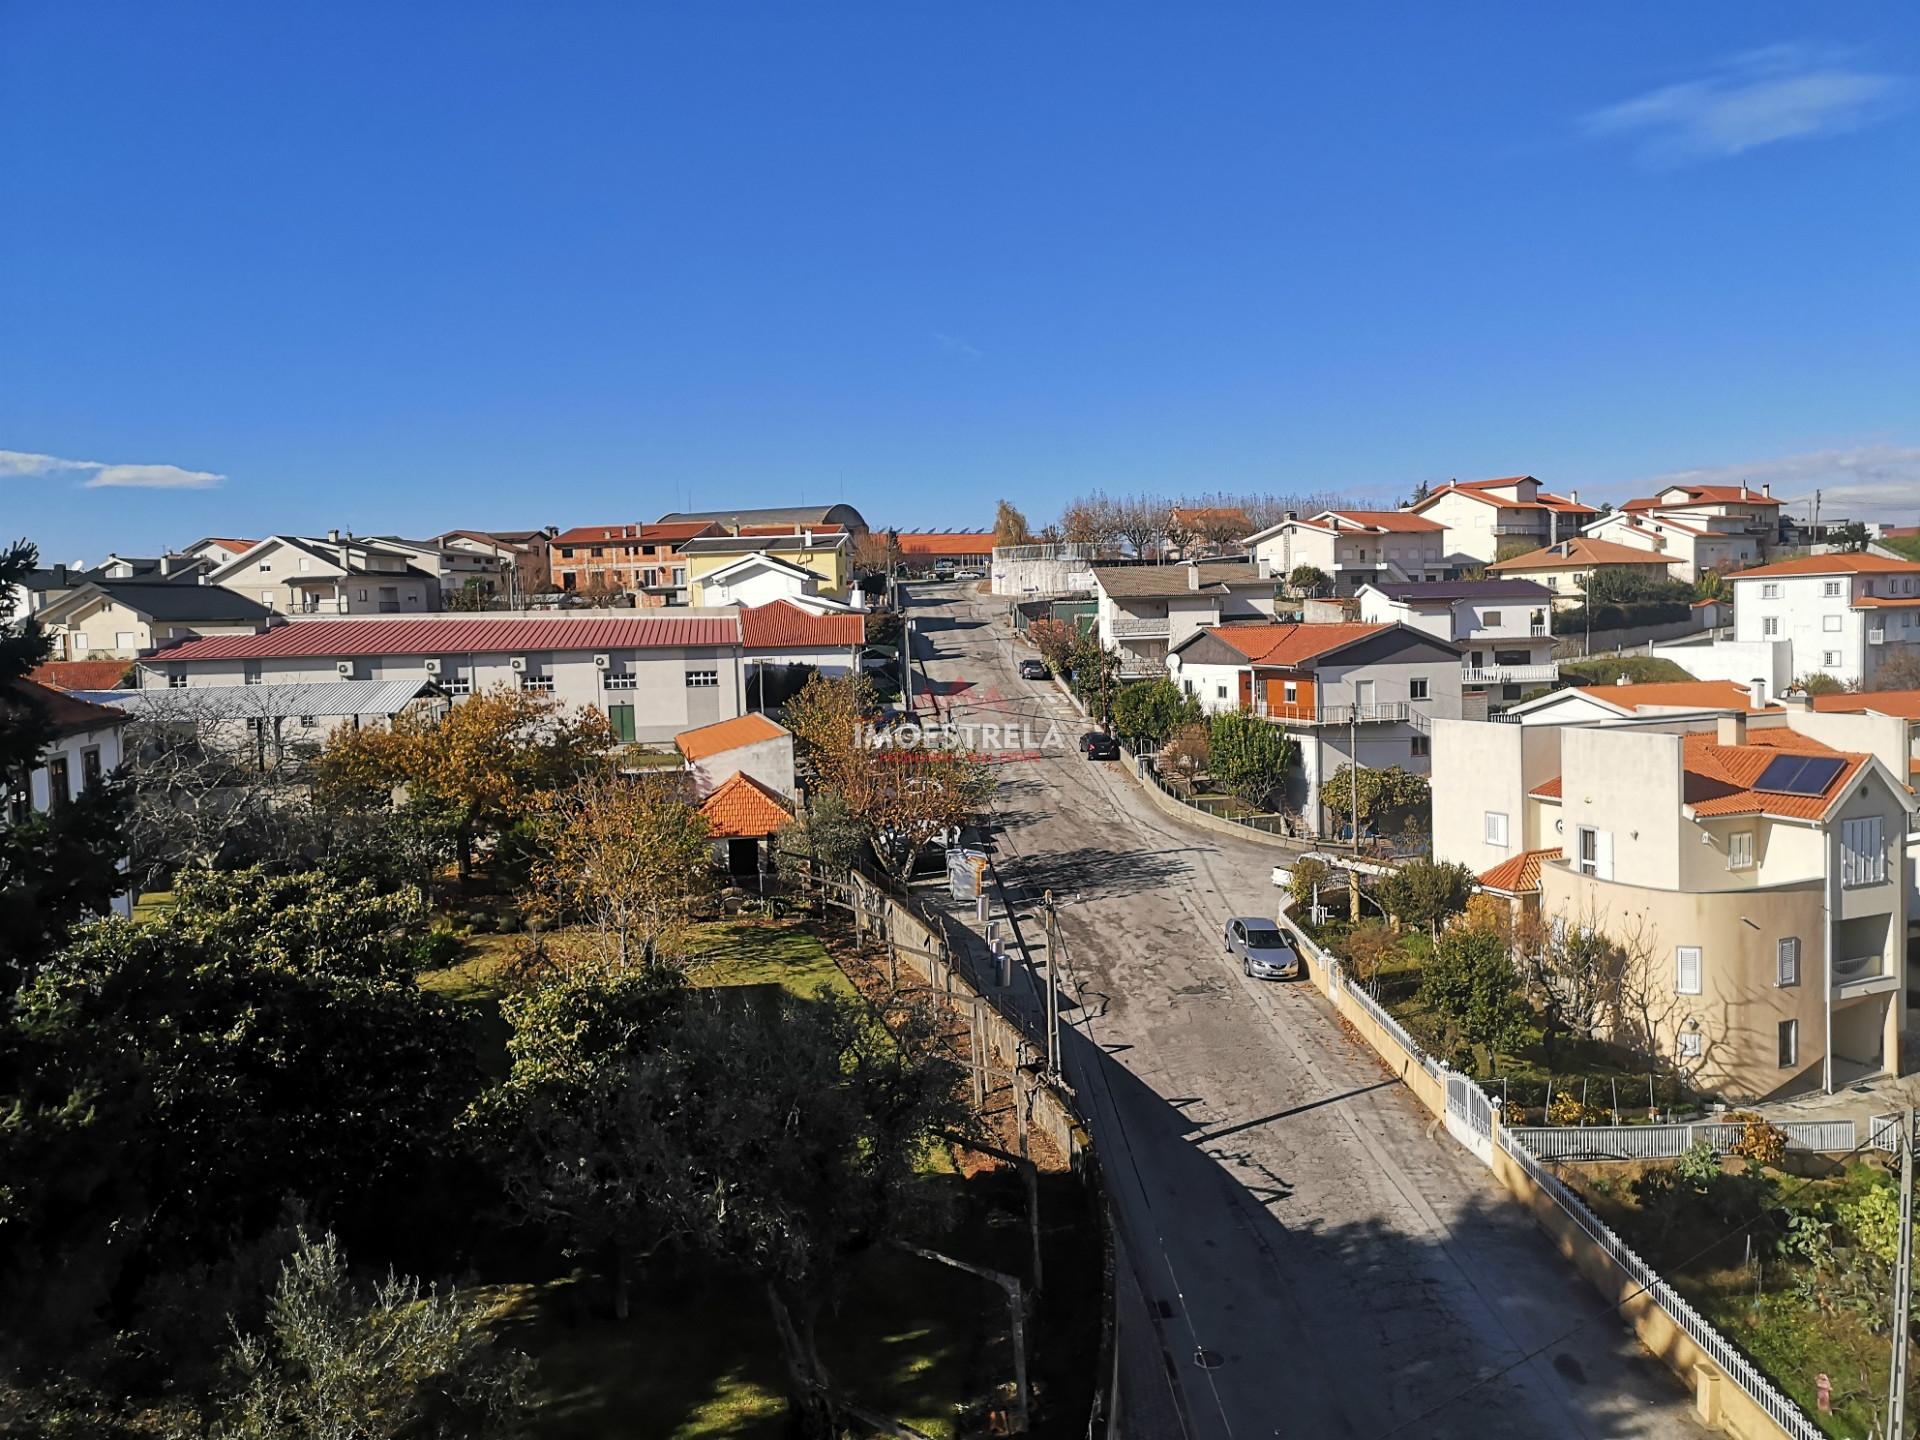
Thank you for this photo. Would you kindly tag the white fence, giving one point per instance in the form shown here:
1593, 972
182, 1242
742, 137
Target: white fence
1883, 1133
1668, 1142
1737, 1368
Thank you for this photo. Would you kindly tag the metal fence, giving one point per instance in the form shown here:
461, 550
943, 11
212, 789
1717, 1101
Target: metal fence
1270, 824
1737, 1368
1668, 1142
1883, 1133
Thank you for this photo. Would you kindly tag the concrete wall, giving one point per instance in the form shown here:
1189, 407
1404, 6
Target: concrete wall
768, 761
1738, 661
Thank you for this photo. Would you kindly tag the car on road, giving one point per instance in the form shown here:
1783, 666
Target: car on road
1033, 669
1096, 745
1265, 953
968, 575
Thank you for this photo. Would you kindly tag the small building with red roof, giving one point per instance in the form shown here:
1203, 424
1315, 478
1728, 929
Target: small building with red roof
742, 816
749, 744
1487, 518
1567, 566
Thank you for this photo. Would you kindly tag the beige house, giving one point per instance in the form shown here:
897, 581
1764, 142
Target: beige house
1353, 548
125, 619
337, 575
1755, 874
1484, 517
1565, 566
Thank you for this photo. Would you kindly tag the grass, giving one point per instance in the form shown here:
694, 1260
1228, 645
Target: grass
740, 952
1607, 669
1907, 545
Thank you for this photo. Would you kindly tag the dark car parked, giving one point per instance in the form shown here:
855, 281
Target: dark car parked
1098, 746
1033, 669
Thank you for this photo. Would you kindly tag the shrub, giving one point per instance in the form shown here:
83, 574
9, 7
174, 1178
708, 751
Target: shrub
1760, 1142
1566, 1109
437, 949
1422, 893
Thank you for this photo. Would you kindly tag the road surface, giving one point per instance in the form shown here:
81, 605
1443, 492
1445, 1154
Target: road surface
1307, 1254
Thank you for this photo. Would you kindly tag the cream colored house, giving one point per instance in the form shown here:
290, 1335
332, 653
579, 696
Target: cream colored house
337, 575
1566, 566
1757, 874
125, 619
1353, 548
1687, 545
1484, 517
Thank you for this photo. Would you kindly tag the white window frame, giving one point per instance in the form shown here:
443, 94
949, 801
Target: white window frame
1496, 829
703, 679
1863, 852
1831, 659
1830, 624
1417, 688
1601, 866
1682, 956
1770, 625
1740, 850
1769, 590
1830, 588
1786, 961
1690, 1047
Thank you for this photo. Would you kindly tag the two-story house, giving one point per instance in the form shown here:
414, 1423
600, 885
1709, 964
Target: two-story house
125, 619
1567, 567
1843, 615
826, 553
1353, 548
1697, 528
1753, 877
520, 555
1484, 518
1141, 612
645, 561
1341, 689
340, 574
1504, 629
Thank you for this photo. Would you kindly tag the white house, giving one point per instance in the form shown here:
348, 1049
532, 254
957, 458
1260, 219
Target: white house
1845, 615
1698, 527
340, 575
1504, 628
1485, 517
1582, 704
1142, 612
1354, 547
84, 751
762, 579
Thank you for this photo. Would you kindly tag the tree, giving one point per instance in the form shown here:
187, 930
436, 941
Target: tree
1709, 585
824, 835
1574, 976
1820, 683
1473, 991
1141, 521
1153, 709
1010, 526
1631, 585
625, 856
1899, 671
1306, 579
1851, 537
877, 553
1249, 756
1221, 525
1090, 520
1178, 530
1392, 801
1093, 674
1054, 639
473, 595
397, 1363
1190, 749
1421, 491
1422, 893
910, 798
1367, 947
828, 719
1308, 876
486, 758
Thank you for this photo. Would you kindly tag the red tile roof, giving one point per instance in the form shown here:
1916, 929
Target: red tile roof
1398, 521
1581, 550
348, 638
950, 542
781, 624
706, 740
1719, 778
1292, 644
69, 716
1860, 563
634, 534
1519, 875
81, 674
1703, 495
1904, 704
1477, 490
744, 809
1547, 789
1687, 694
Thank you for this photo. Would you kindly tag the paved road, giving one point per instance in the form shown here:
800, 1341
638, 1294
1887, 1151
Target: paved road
1312, 1257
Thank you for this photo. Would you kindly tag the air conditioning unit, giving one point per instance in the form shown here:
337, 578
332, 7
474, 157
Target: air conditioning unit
344, 667
432, 665
518, 664
603, 662
1876, 637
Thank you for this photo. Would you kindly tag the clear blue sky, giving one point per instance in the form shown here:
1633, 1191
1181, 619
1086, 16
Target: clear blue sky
404, 267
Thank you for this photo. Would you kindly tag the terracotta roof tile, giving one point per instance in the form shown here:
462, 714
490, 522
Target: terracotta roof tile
947, 543
67, 714
744, 809
1292, 644
731, 734
1519, 875
1397, 521
1547, 789
1578, 551
81, 674
1686, 694
304, 639
780, 623
1719, 779
1862, 563
1902, 704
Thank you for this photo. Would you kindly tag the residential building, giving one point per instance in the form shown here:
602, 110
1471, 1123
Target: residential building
1566, 567
921, 550
1141, 612
827, 553
43, 585
125, 619
1581, 704
750, 745
783, 633
461, 570
1504, 629
84, 751
1484, 518
785, 518
520, 555
642, 560
760, 578
1691, 542
1353, 548
1844, 615
1340, 689
653, 676
150, 567
1755, 878
335, 575
216, 550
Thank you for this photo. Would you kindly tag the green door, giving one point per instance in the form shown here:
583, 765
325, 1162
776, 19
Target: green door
621, 717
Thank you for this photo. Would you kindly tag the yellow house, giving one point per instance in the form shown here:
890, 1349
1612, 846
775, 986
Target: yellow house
826, 556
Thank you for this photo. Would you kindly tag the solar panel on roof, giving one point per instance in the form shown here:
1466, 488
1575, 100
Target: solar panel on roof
1799, 774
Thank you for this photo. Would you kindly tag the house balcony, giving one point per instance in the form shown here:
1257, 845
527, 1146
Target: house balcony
1391, 713
1141, 627
1510, 674
1862, 975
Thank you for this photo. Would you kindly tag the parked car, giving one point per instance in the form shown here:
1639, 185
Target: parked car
1033, 669
1264, 951
968, 575
1096, 745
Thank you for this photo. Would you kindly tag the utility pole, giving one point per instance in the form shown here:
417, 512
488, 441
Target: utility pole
906, 661
1902, 1286
1054, 1067
1353, 773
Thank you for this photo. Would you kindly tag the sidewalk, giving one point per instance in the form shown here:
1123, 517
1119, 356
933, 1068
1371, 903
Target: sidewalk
1858, 1102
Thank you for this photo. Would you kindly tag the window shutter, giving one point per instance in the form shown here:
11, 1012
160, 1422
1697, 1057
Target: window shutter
1603, 854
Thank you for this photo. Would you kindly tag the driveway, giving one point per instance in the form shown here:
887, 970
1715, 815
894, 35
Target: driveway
1305, 1253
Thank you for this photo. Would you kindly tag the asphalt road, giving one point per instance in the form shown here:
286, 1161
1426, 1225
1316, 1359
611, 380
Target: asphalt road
1306, 1253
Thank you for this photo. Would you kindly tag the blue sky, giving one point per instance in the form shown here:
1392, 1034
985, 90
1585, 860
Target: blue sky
410, 267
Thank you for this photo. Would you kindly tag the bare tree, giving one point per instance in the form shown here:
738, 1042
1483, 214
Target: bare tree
1090, 520
1141, 521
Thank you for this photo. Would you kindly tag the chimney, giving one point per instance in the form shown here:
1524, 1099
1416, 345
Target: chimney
1573, 496
1797, 700
1733, 729
60, 576
1291, 515
1193, 575
1621, 678
1757, 693
333, 536
1766, 488
806, 538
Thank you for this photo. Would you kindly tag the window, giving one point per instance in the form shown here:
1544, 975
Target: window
307, 722
250, 672
1416, 689
1787, 957
1595, 855
79, 643
566, 552
1740, 850
1830, 659
266, 598
363, 594
537, 684
266, 567
1863, 856
622, 680
1290, 692
1497, 828
1770, 591
1419, 745
703, 679
621, 718
1689, 1045
1219, 692
1789, 1044
1770, 625
1830, 624
1490, 618
176, 680
1686, 969
90, 770
59, 782
125, 640
1832, 587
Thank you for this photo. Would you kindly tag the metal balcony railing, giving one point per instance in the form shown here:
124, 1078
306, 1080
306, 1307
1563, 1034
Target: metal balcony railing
1510, 674
1141, 627
1387, 713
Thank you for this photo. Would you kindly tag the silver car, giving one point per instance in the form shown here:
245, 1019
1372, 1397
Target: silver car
1264, 951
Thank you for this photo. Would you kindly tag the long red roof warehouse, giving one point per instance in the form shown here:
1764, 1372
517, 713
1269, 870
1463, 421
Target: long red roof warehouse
316, 638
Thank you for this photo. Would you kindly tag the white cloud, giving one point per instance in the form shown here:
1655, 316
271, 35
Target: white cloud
101, 475
1784, 92
954, 345
1872, 482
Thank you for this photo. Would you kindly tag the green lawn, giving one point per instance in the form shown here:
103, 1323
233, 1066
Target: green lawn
152, 904
1606, 669
745, 952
